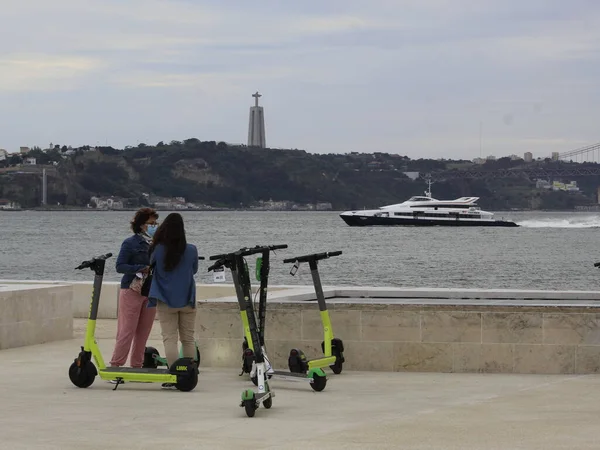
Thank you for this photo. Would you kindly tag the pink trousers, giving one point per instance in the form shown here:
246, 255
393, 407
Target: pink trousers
134, 323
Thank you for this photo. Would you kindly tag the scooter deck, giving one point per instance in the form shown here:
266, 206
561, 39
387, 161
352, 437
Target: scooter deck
135, 374
135, 370
261, 396
320, 363
290, 376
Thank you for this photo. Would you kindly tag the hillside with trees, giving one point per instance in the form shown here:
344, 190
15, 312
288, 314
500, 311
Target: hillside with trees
220, 175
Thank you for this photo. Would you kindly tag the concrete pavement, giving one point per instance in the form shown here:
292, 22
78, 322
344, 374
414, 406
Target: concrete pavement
41, 409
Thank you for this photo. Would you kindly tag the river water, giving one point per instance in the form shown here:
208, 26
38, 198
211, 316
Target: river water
548, 251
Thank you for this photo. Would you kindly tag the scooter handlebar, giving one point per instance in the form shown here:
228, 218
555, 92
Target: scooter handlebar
246, 251
86, 264
221, 256
219, 263
278, 247
261, 249
312, 257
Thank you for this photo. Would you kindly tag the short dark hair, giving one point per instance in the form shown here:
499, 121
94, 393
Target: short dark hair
142, 216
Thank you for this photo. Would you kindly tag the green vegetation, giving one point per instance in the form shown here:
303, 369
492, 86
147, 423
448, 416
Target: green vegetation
220, 175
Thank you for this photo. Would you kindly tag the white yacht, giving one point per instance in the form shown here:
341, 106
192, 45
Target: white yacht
427, 211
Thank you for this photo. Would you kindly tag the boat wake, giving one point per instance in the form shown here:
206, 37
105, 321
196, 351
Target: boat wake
580, 222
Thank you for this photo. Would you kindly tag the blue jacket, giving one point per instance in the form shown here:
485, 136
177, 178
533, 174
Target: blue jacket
132, 258
176, 288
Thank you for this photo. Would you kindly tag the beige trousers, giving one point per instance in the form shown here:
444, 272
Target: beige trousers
174, 321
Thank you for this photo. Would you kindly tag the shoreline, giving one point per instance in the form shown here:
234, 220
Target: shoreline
75, 209
579, 209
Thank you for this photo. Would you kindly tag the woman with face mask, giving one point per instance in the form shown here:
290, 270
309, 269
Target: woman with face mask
135, 319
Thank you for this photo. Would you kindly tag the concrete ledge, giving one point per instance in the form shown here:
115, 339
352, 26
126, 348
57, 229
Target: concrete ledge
35, 314
82, 292
443, 293
365, 295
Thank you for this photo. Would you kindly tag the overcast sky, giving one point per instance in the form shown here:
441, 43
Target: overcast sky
414, 77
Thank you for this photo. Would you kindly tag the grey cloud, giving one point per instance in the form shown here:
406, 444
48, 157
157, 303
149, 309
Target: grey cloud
412, 77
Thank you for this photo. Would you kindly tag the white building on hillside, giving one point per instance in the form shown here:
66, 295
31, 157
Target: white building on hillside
106, 203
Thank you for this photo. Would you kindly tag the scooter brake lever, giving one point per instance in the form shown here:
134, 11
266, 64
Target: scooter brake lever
294, 268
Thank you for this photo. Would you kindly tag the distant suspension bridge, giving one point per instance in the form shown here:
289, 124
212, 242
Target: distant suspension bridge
590, 153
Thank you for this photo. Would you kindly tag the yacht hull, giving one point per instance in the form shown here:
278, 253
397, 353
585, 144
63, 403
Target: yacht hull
366, 221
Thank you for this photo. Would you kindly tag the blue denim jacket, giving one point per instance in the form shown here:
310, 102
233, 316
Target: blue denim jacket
176, 288
132, 258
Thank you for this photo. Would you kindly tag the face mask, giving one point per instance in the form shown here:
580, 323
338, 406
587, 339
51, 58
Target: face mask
151, 230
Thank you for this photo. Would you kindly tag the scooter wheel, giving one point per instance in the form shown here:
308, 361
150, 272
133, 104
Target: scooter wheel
337, 367
150, 354
187, 383
82, 377
186, 371
268, 403
318, 383
197, 357
250, 407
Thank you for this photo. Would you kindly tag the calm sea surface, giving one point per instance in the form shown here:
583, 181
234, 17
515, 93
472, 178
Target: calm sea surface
549, 250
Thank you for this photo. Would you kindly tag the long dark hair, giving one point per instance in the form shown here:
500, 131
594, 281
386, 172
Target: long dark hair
171, 234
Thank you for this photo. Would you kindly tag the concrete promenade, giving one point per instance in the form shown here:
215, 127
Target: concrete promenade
534, 358
40, 409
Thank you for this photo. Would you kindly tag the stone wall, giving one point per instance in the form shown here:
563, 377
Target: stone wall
34, 314
383, 329
468, 337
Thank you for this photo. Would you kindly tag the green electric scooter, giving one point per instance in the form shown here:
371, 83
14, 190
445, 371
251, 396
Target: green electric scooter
183, 373
241, 281
332, 347
300, 368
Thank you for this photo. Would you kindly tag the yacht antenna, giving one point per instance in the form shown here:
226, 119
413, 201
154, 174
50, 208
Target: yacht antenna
429, 183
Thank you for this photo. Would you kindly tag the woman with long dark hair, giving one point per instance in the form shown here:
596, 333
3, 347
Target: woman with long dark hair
134, 318
173, 287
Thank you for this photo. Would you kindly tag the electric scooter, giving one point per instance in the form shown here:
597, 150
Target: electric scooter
313, 374
331, 346
241, 281
183, 373
300, 368
152, 358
